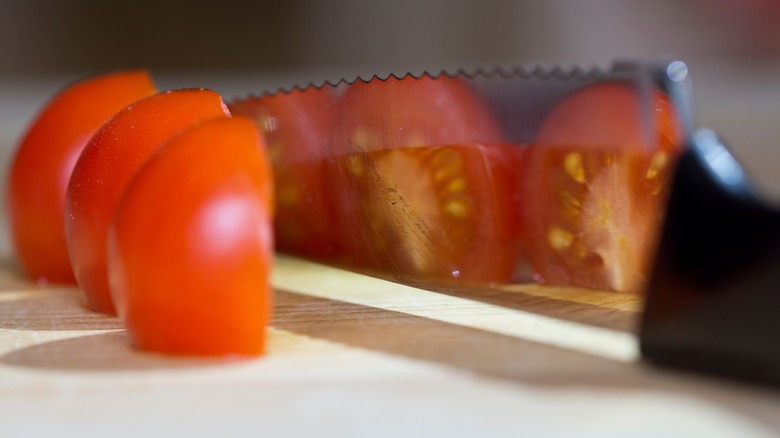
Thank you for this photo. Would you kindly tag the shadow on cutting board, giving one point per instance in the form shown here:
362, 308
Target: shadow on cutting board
453, 345
106, 352
612, 310
56, 310
500, 357
25, 305
53, 310
505, 358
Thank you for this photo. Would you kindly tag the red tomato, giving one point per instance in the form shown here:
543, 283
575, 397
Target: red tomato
43, 163
594, 188
108, 162
297, 128
191, 246
424, 193
440, 215
409, 112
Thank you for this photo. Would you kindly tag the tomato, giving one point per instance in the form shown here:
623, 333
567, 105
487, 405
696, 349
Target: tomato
594, 188
108, 162
297, 128
191, 245
440, 214
425, 186
413, 112
43, 163
609, 116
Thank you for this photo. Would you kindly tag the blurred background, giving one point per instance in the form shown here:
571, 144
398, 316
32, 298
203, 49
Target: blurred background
50, 36
731, 46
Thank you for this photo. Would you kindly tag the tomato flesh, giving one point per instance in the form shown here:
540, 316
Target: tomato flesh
594, 188
442, 214
44, 161
191, 246
108, 162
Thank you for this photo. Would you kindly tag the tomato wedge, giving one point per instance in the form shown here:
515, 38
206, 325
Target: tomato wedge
594, 188
440, 215
191, 247
108, 162
42, 165
297, 128
423, 182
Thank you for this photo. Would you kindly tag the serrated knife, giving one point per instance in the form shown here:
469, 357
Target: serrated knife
711, 287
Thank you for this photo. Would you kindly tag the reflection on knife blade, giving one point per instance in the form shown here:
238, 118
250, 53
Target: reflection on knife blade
475, 179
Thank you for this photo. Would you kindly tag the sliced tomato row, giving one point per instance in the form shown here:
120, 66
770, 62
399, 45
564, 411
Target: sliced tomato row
157, 204
408, 178
411, 178
426, 202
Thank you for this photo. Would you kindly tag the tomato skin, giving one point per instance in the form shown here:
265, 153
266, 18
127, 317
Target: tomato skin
594, 187
191, 246
413, 112
108, 162
44, 160
296, 126
609, 116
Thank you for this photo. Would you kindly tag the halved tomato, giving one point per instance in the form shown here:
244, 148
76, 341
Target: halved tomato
108, 162
440, 214
41, 167
423, 183
594, 187
297, 127
190, 247
413, 112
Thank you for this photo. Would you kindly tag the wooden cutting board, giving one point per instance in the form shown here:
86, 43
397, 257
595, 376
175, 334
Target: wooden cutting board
352, 355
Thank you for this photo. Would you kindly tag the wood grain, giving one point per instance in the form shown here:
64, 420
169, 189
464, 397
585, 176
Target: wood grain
349, 352
296, 275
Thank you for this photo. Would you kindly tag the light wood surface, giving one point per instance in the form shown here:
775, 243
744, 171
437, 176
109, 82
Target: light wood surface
352, 355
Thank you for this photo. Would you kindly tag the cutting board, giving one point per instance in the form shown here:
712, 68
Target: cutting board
352, 355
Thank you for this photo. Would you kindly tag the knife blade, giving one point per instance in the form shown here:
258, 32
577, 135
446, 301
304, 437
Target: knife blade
358, 167
357, 184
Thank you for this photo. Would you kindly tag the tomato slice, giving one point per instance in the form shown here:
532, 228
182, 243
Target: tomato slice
440, 215
297, 128
422, 182
108, 162
42, 165
594, 187
191, 246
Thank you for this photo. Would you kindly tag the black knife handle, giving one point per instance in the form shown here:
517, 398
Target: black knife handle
713, 301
